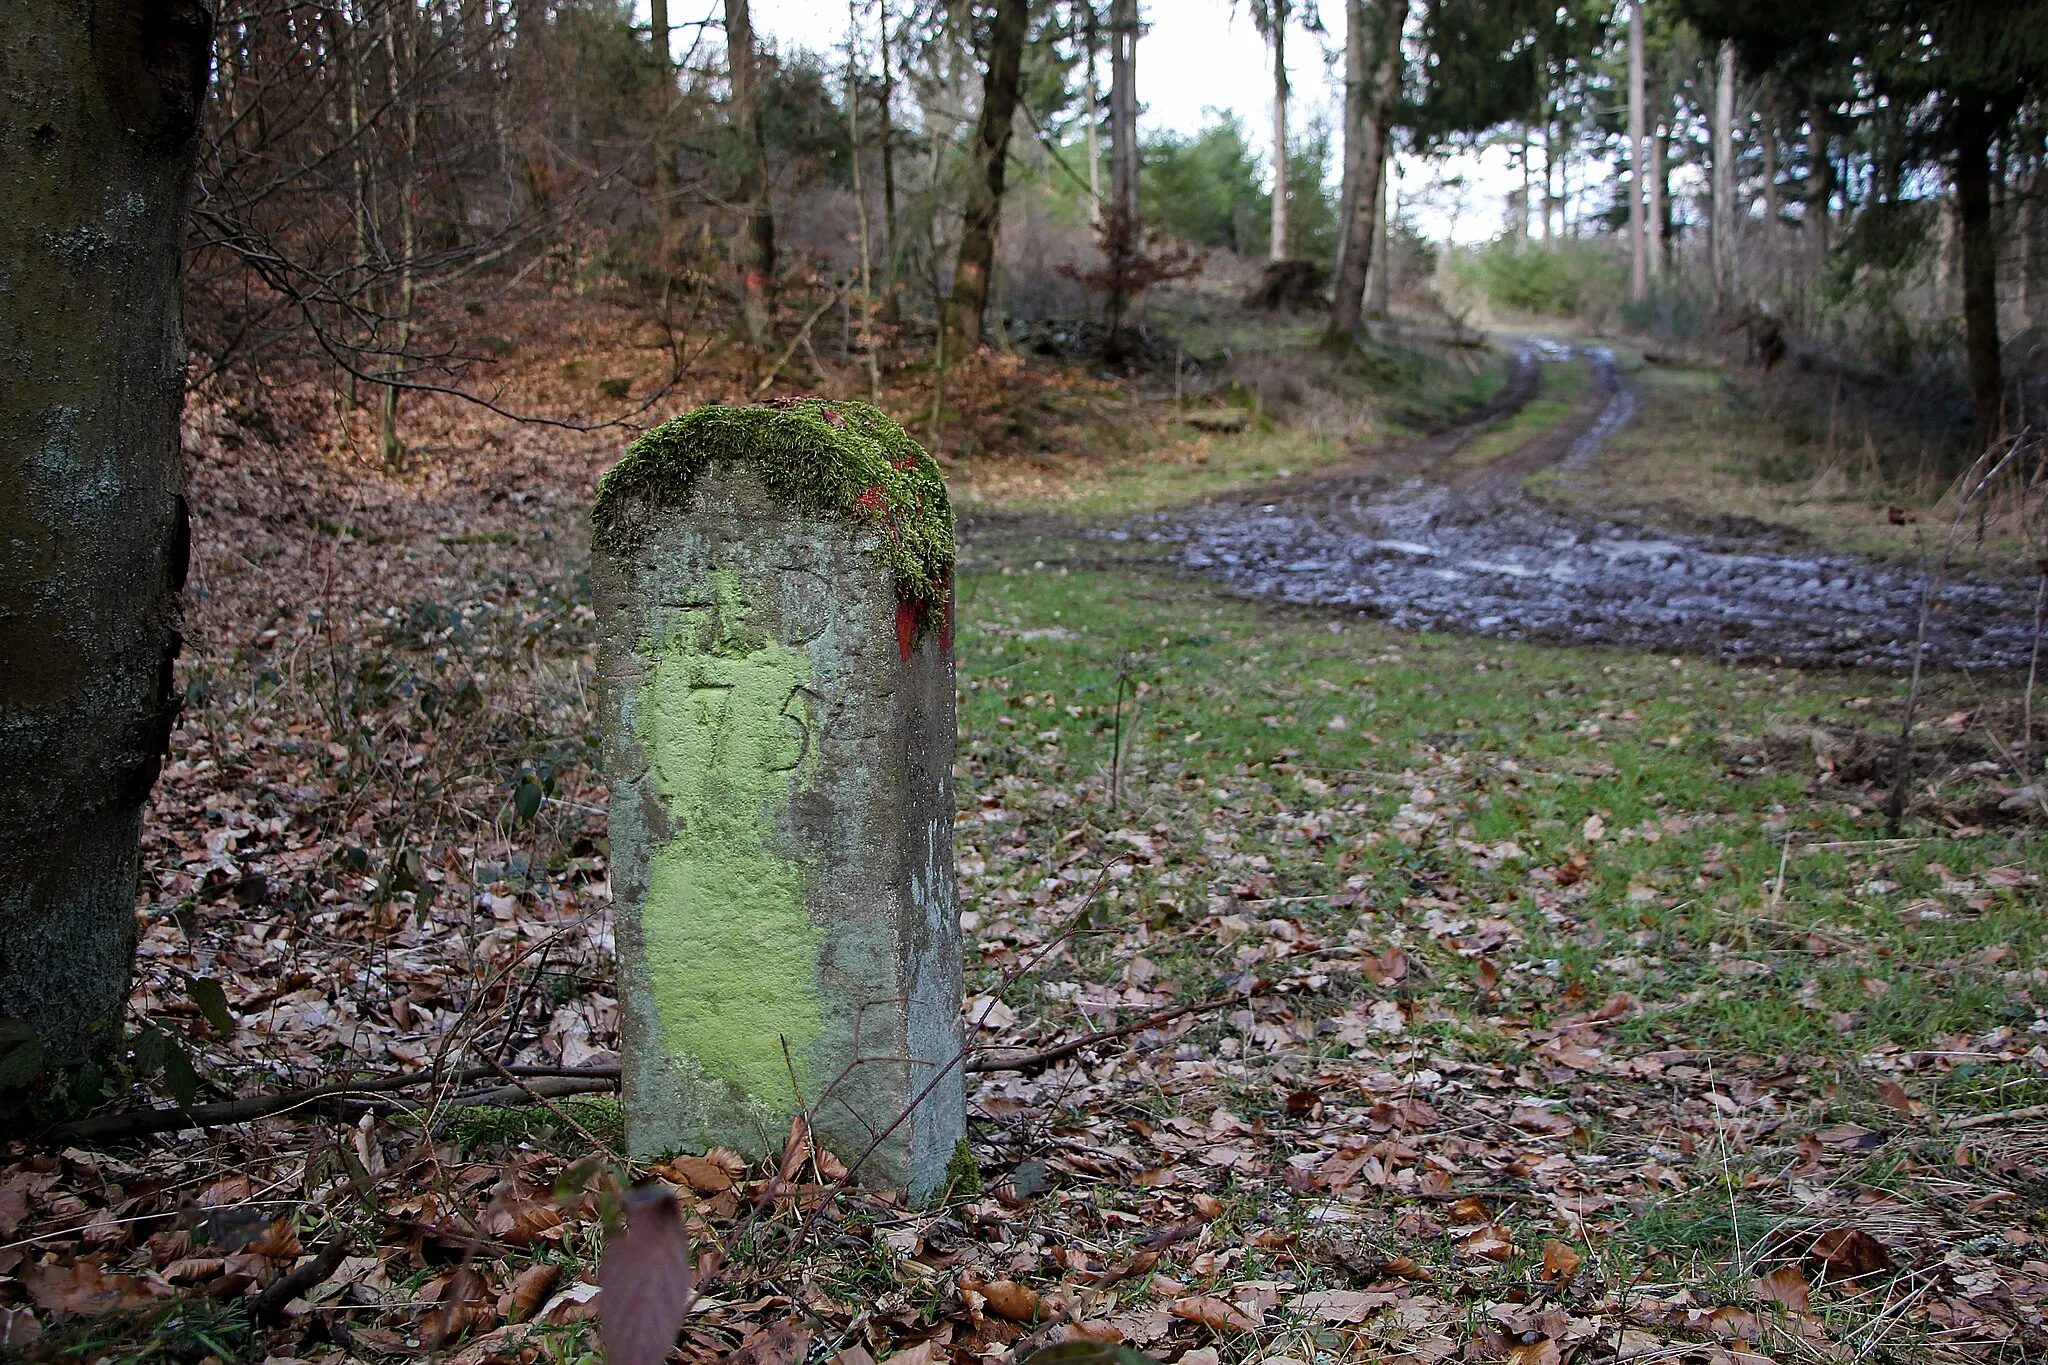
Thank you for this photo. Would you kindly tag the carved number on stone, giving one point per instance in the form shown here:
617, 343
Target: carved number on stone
799, 719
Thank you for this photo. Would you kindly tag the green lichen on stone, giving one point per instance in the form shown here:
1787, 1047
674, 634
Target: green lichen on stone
731, 952
843, 458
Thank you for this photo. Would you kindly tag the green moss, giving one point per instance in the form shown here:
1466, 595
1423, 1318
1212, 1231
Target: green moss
843, 458
489, 1125
731, 952
963, 1176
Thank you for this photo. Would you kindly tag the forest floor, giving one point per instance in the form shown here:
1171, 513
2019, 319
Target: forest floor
1576, 1003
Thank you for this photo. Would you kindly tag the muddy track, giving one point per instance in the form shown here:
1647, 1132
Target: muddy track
1427, 545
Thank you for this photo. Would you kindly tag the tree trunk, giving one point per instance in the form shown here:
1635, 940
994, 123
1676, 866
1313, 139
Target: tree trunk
100, 129
666, 202
1090, 130
990, 152
892, 307
1123, 108
1279, 246
1819, 171
1377, 284
756, 245
1660, 201
1638, 164
1376, 29
1721, 227
1974, 128
1354, 107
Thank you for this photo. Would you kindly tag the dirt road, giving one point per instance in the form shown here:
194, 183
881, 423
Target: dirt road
1415, 538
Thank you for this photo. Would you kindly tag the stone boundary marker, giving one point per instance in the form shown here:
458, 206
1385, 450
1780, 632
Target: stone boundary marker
774, 597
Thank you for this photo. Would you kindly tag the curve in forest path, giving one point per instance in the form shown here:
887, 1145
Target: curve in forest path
1428, 544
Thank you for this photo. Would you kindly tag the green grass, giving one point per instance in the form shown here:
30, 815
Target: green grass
1564, 385
1515, 742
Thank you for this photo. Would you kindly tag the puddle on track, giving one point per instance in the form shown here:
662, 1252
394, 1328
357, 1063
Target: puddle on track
1468, 551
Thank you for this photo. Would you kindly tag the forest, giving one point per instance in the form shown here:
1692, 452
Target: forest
1473, 614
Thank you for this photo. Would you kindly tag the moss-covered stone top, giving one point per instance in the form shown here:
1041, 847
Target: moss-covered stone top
844, 458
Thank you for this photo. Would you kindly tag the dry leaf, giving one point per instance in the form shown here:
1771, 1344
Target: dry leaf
1470, 1209
1493, 1241
1785, 1286
465, 1303
1845, 1253
785, 1343
1540, 1352
530, 1289
1218, 1315
699, 1173
1560, 1262
647, 1279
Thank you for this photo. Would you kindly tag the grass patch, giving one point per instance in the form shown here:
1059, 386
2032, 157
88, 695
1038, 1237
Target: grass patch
1349, 762
1564, 387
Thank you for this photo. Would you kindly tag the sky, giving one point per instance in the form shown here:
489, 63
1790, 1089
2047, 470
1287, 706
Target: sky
1200, 55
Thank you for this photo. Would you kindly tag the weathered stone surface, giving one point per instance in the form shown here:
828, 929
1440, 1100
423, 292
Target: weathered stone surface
781, 823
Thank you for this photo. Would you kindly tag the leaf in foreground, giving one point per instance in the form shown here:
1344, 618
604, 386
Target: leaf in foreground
646, 1278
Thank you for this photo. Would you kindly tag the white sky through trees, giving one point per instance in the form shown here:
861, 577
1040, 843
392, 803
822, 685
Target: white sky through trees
1197, 55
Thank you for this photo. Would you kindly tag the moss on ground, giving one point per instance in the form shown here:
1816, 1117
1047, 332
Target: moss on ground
843, 458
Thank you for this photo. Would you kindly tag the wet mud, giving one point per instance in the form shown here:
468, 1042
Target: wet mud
1412, 537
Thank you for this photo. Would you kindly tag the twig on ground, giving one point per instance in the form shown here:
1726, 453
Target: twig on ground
142, 1122
270, 1304
1029, 1062
803, 334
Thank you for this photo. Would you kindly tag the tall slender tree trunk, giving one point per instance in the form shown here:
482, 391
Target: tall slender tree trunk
1279, 247
1660, 200
401, 52
982, 222
666, 201
1091, 126
100, 127
892, 306
860, 202
1378, 284
1354, 106
756, 245
1638, 164
1819, 172
1721, 223
1377, 28
1971, 174
1123, 109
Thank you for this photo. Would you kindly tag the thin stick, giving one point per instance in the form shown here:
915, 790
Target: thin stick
1029, 1062
860, 204
142, 1122
803, 334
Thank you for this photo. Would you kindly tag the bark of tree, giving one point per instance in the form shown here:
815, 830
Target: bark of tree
756, 246
1378, 286
1279, 245
982, 223
100, 133
1123, 109
665, 198
1660, 201
892, 307
1819, 172
1975, 126
1721, 225
1090, 128
1376, 29
1638, 164
1354, 96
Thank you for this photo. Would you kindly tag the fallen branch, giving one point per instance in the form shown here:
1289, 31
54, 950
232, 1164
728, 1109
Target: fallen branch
142, 1122
270, 1304
1017, 1059
2032, 1111
803, 335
